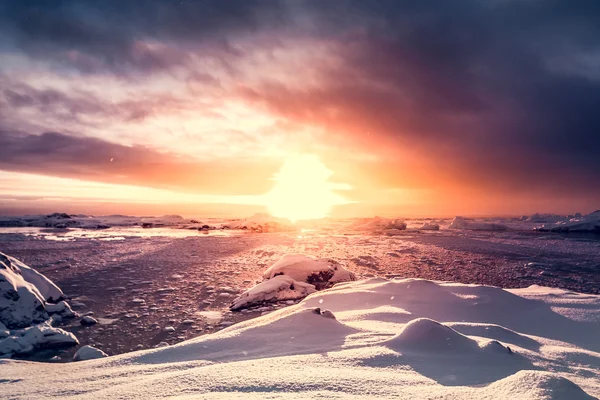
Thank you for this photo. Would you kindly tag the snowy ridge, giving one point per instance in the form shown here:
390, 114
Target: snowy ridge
377, 338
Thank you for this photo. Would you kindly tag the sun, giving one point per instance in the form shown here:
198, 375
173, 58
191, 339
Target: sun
302, 189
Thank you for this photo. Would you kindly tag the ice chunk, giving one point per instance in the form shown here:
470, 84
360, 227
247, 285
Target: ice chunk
321, 273
463, 223
88, 353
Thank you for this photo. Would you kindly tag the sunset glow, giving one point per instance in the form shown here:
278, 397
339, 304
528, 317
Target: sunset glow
303, 190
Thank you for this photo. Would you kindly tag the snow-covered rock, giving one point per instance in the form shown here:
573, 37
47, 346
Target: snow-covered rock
463, 223
262, 222
88, 353
46, 287
61, 308
88, 321
37, 337
586, 223
321, 272
21, 303
281, 287
294, 276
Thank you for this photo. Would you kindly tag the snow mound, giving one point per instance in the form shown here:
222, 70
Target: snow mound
424, 334
46, 287
279, 288
262, 222
88, 353
37, 337
464, 224
587, 223
430, 226
21, 303
537, 385
376, 338
294, 276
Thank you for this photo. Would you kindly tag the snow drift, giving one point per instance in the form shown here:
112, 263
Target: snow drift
294, 276
377, 338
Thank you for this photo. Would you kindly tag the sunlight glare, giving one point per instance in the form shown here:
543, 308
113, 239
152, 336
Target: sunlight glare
302, 189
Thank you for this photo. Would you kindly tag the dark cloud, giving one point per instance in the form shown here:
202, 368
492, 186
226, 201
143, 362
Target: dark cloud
494, 93
56, 154
468, 84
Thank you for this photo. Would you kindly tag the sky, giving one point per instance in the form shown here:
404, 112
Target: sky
420, 108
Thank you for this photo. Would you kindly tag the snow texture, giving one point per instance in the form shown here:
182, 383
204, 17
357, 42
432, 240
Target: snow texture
377, 338
46, 287
281, 287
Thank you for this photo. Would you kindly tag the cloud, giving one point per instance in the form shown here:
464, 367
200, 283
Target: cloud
92, 159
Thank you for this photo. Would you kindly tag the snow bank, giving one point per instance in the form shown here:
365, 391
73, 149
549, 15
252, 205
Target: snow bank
294, 276
587, 223
262, 222
378, 338
463, 223
88, 353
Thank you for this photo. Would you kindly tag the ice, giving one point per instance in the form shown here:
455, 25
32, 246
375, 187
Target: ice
430, 226
88, 353
376, 224
262, 222
376, 338
586, 223
463, 223
36, 337
88, 321
61, 308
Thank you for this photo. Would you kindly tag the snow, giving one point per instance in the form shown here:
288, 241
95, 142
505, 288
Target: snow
21, 303
294, 276
377, 338
45, 286
36, 337
322, 271
587, 223
88, 353
61, 308
463, 223
281, 287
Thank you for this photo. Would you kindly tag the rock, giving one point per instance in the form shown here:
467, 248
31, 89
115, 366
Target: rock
88, 353
88, 321
168, 329
61, 308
